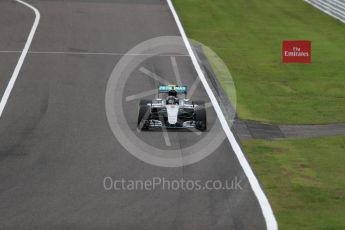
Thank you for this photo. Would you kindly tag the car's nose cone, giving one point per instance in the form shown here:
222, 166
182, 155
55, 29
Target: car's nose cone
172, 111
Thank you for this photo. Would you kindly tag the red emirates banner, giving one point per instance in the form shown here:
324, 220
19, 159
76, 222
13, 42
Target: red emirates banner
297, 51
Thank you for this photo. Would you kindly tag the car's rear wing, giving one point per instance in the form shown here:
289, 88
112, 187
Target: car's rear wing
180, 89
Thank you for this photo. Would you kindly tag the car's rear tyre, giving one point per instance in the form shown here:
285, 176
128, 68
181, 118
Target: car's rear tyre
143, 117
200, 115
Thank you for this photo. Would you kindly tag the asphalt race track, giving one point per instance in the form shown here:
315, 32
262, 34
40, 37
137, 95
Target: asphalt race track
56, 144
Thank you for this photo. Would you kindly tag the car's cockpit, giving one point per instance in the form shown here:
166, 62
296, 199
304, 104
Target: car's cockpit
172, 98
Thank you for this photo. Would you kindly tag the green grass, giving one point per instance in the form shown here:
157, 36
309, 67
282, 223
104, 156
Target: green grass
247, 35
304, 180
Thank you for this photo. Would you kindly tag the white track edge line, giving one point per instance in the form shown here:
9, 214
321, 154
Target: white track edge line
267, 212
20, 62
324, 11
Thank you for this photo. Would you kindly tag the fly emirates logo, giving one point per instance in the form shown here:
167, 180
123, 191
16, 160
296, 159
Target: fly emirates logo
296, 52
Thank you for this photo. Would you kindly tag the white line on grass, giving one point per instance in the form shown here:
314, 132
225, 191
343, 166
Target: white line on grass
271, 222
19, 65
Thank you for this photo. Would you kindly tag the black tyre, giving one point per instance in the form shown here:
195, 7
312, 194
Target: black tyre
200, 115
143, 117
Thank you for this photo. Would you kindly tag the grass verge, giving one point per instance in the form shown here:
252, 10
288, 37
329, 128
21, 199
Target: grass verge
304, 180
247, 35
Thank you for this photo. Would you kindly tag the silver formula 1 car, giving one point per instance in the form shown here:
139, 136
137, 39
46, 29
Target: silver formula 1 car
172, 110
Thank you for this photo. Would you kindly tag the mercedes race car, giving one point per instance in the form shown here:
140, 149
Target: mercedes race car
172, 110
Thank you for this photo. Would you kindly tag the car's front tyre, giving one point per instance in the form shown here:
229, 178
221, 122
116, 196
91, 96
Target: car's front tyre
143, 117
200, 116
